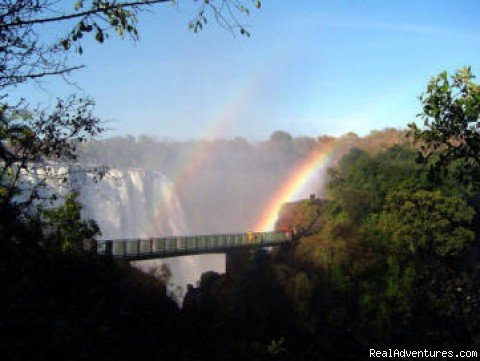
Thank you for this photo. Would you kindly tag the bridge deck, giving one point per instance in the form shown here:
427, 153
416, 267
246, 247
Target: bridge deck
135, 249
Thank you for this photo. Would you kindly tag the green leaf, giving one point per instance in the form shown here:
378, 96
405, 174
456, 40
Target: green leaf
65, 43
78, 5
99, 36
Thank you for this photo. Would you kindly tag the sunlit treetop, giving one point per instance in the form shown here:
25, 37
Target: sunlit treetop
451, 124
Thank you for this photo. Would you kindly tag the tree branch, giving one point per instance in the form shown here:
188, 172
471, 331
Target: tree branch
80, 14
46, 73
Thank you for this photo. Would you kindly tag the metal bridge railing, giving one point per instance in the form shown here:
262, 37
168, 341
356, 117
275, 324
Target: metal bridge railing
170, 246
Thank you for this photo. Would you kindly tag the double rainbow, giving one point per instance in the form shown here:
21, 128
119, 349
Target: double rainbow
315, 164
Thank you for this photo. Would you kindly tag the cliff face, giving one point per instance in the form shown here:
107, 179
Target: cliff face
131, 203
305, 216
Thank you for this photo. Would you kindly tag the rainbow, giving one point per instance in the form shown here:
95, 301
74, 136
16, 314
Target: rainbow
316, 163
206, 145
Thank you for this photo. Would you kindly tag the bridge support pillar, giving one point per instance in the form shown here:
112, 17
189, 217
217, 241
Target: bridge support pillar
236, 259
109, 248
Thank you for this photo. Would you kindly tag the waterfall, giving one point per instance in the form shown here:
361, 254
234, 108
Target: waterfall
131, 203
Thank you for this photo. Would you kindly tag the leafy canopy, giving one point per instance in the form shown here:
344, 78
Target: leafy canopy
451, 123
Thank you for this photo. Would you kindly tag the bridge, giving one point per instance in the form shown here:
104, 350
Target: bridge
138, 249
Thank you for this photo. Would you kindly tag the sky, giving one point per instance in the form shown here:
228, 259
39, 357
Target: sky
309, 68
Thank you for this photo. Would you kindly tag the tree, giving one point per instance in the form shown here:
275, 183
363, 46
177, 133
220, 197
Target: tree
66, 231
426, 223
29, 141
25, 56
280, 136
361, 182
451, 121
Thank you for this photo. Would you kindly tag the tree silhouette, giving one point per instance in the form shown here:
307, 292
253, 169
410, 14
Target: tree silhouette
24, 55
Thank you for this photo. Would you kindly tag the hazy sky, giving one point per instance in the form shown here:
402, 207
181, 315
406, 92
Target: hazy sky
310, 68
